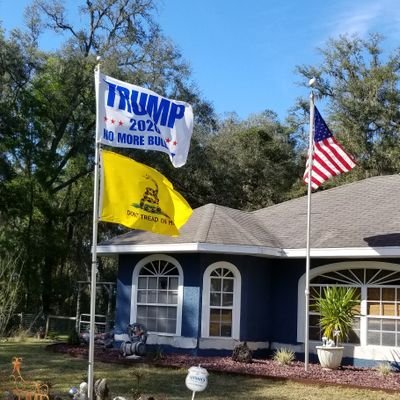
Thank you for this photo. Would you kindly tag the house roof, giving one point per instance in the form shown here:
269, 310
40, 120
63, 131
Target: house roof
360, 218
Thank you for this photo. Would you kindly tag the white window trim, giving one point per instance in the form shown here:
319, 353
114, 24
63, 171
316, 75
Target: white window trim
205, 308
137, 268
344, 265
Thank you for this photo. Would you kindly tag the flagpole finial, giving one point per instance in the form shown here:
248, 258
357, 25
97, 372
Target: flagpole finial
99, 59
312, 82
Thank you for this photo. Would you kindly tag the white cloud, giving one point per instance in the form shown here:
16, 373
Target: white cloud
364, 16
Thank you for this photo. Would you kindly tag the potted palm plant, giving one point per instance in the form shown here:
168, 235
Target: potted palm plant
337, 308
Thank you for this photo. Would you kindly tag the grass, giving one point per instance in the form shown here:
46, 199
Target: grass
63, 372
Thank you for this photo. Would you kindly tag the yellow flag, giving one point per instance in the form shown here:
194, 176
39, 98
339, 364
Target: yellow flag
139, 197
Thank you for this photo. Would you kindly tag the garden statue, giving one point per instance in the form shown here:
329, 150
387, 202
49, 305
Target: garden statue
136, 346
101, 390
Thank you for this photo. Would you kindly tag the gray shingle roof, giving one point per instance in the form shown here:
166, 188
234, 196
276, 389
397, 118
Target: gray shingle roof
361, 214
208, 224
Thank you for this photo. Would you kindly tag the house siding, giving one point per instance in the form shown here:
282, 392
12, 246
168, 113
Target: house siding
269, 296
285, 276
256, 311
124, 292
192, 275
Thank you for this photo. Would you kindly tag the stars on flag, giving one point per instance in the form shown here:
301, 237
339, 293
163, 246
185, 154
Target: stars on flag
171, 142
113, 121
168, 140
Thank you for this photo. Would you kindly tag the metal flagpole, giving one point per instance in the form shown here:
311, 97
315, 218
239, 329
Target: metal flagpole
307, 289
94, 240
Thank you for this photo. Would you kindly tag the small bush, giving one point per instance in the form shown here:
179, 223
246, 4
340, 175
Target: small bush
284, 356
242, 353
159, 355
384, 369
53, 335
20, 336
73, 338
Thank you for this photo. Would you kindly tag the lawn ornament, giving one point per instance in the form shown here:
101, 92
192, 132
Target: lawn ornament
83, 391
73, 392
136, 346
79, 394
101, 390
25, 389
196, 380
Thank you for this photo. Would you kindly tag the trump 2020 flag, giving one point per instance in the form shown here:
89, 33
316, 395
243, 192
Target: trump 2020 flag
139, 197
135, 117
329, 157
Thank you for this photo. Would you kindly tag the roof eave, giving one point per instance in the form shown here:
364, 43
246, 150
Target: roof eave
344, 252
196, 247
260, 251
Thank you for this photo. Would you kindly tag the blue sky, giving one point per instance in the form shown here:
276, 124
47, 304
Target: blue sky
243, 54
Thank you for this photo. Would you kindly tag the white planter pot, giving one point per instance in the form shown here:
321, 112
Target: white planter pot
330, 357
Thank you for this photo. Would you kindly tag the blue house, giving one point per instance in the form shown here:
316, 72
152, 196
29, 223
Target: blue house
234, 276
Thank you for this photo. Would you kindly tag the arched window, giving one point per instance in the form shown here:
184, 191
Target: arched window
157, 294
378, 285
221, 301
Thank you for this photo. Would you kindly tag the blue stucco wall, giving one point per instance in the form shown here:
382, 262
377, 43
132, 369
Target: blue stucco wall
256, 305
191, 294
269, 295
124, 292
285, 275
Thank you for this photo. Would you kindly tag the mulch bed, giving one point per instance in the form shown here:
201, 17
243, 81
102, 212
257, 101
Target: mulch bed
348, 376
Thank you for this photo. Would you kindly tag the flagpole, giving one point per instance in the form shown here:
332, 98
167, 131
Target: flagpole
93, 283
307, 289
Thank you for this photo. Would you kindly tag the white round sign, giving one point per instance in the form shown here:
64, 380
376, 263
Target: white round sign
196, 379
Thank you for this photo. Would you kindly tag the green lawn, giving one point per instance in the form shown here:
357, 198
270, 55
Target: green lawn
62, 372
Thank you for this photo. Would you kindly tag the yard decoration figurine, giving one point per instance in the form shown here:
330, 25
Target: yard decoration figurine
136, 346
196, 380
101, 389
79, 394
337, 308
24, 389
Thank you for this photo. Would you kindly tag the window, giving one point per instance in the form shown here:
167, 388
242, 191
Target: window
221, 301
378, 285
157, 294
383, 316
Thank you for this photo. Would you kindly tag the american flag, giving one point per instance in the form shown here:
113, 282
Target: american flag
329, 158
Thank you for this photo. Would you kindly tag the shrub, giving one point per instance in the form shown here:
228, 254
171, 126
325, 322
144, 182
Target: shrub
53, 335
19, 335
337, 307
384, 369
242, 353
284, 356
73, 338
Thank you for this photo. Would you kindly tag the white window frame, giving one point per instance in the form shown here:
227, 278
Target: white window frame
135, 276
205, 309
338, 267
